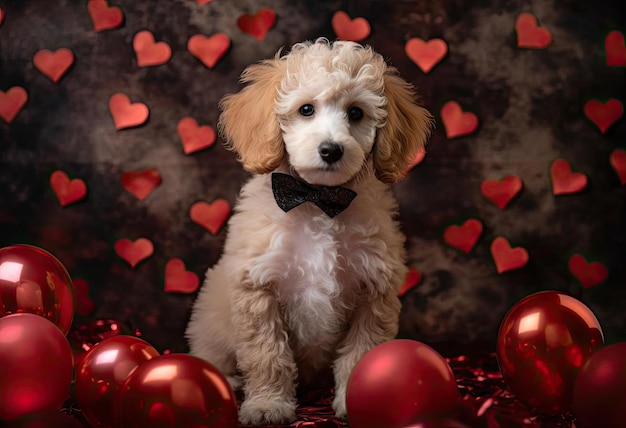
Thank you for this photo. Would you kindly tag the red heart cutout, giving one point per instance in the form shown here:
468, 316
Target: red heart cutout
419, 157
529, 34
83, 303
564, 181
125, 114
604, 115
457, 122
203, 2
209, 50
588, 274
618, 162
67, 191
210, 216
412, 278
103, 16
426, 54
355, 30
194, 137
257, 25
500, 192
54, 65
178, 279
463, 237
12, 102
507, 258
615, 49
1, 15
148, 52
141, 183
134, 252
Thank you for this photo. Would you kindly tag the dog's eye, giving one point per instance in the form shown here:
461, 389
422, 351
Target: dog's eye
355, 114
307, 110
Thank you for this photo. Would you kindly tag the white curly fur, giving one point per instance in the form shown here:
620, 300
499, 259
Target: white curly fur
298, 293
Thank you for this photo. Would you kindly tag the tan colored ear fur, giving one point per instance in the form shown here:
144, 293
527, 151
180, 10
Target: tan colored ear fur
248, 123
405, 133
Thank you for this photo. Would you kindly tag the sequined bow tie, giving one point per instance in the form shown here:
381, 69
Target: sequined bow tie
290, 192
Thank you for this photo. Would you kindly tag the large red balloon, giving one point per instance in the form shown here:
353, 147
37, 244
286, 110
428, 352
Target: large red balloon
397, 383
543, 342
600, 389
34, 281
101, 373
176, 390
36, 366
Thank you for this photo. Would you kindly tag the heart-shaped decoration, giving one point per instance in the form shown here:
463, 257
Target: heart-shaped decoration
1, 15
564, 181
426, 54
257, 25
104, 17
134, 252
618, 162
412, 278
465, 236
529, 34
507, 258
419, 157
203, 2
141, 183
354, 30
194, 137
209, 50
83, 303
125, 114
457, 122
67, 191
178, 279
12, 102
588, 274
501, 192
615, 49
604, 115
148, 52
210, 216
55, 64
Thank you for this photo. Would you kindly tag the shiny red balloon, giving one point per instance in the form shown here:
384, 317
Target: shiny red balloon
436, 423
101, 373
176, 390
542, 344
36, 366
34, 281
397, 383
600, 389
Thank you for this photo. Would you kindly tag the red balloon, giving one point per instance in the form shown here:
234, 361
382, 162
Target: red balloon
176, 390
436, 423
34, 281
398, 382
36, 366
600, 389
543, 342
101, 373
46, 420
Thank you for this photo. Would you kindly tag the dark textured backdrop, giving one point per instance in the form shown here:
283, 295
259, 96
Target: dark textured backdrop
529, 103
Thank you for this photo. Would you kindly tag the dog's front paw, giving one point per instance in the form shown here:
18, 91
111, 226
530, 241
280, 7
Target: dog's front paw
274, 411
339, 406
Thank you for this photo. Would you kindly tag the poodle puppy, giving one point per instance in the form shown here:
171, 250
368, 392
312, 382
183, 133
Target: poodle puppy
313, 259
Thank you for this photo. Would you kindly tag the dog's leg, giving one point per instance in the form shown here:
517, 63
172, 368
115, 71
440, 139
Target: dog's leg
371, 325
265, 358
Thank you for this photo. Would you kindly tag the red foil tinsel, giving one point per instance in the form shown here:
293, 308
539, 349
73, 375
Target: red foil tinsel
485, 402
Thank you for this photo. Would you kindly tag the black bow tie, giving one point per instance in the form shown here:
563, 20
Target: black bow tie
290, 192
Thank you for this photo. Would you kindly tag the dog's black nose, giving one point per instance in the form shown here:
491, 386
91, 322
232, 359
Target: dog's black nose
330, 151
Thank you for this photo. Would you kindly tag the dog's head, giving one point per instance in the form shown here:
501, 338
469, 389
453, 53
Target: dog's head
325, 108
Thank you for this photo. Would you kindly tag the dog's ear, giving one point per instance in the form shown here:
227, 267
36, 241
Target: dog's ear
248, 123
404, 134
